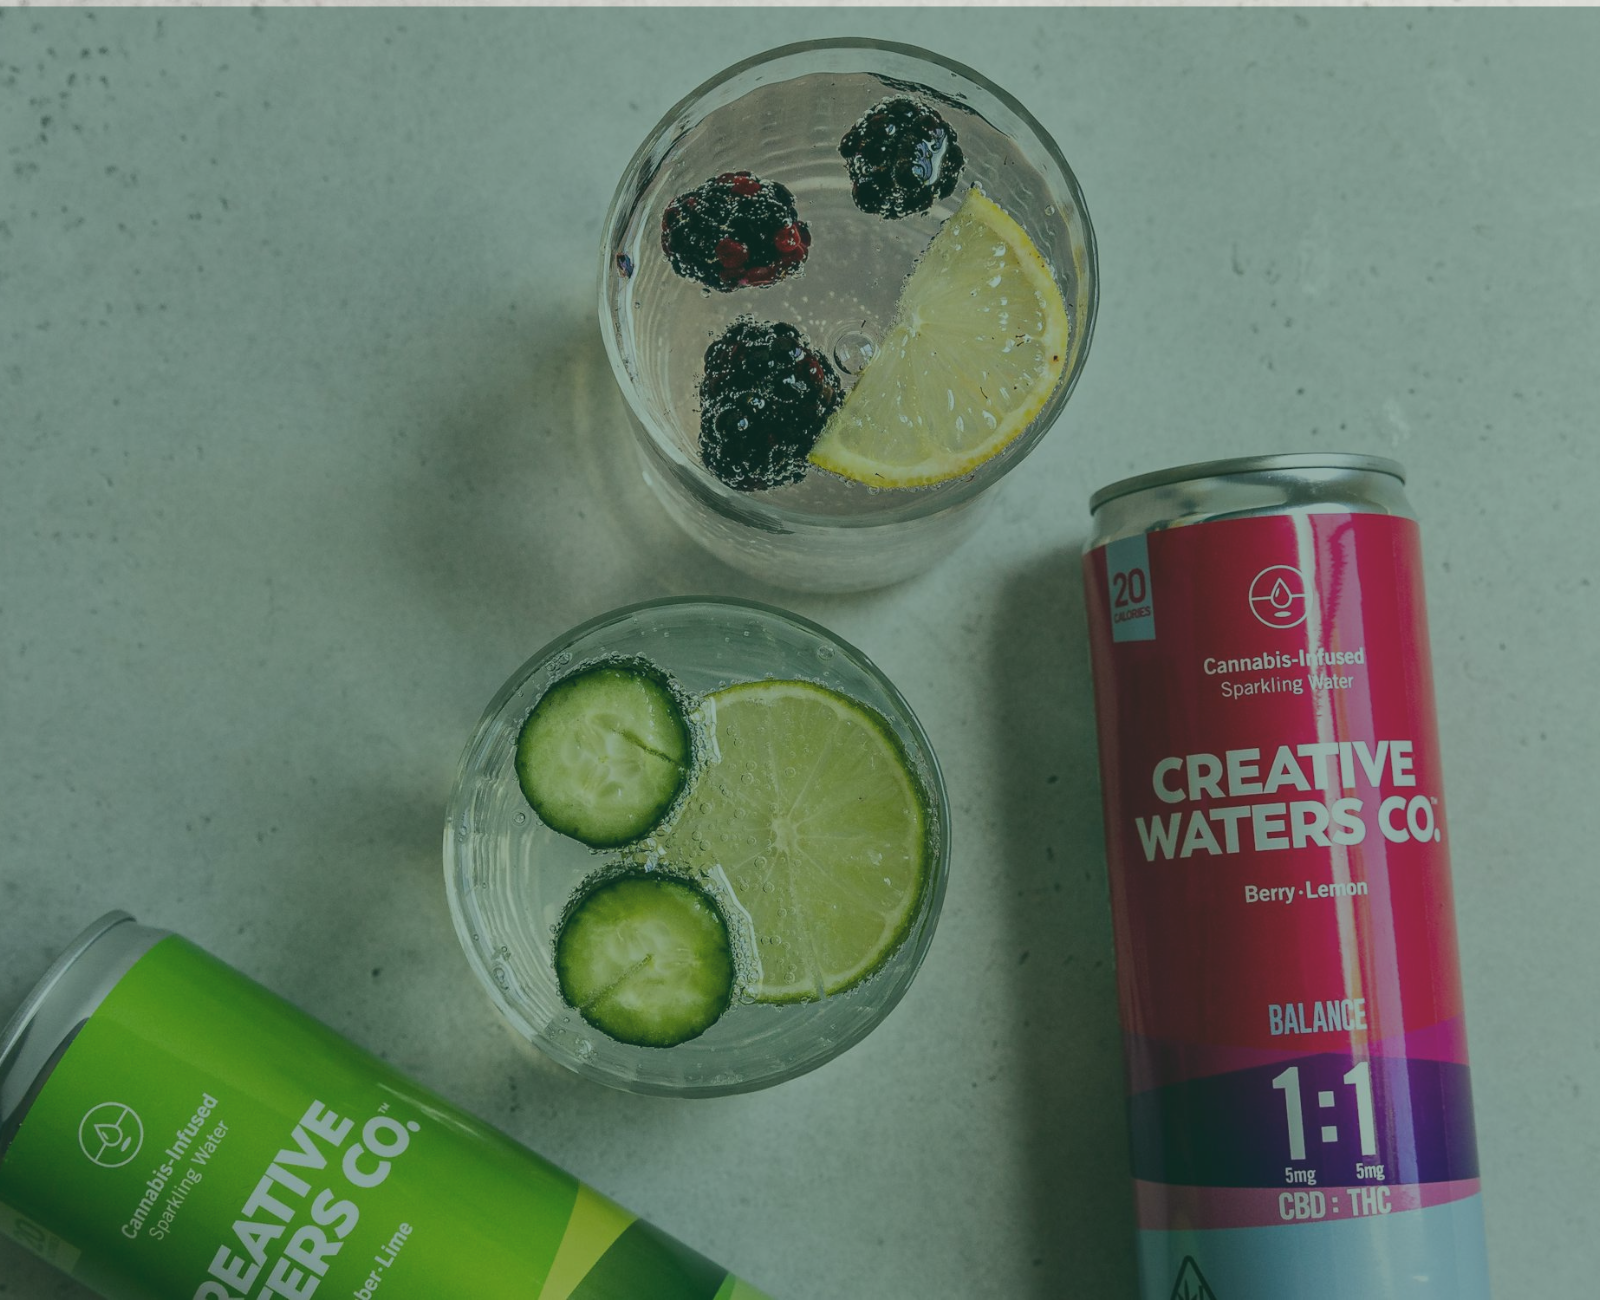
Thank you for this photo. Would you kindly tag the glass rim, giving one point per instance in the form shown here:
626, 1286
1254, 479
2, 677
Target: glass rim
920, 502
916, 944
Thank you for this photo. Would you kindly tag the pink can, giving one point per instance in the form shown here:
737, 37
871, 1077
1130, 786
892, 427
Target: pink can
1280, 886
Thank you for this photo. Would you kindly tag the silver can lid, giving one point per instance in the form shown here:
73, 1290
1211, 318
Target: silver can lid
51, 1015
1247, 465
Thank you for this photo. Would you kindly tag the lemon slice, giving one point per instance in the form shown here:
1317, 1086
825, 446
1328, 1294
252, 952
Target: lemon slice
812, 811
977, 345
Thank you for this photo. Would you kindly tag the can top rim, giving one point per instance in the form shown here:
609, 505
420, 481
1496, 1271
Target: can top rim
1246, 465
19, 1022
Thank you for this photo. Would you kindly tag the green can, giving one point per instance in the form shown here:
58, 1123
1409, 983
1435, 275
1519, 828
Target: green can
169, 1130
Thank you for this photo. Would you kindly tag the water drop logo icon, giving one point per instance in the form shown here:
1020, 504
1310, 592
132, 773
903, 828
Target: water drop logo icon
111, 1135
1279, 596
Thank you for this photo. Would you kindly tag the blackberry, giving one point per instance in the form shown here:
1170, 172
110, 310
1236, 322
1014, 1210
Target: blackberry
764, 398
902, 156
734, 230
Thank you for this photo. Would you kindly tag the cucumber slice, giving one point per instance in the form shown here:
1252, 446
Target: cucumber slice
645, 958
605, 753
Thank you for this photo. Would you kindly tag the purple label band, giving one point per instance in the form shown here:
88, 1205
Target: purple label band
1161, 1207
1329, 1120
1154, 1063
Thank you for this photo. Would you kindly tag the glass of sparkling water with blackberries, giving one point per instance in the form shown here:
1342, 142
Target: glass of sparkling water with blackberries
845, 287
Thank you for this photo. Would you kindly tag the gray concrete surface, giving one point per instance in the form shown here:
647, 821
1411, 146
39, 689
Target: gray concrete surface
307, 439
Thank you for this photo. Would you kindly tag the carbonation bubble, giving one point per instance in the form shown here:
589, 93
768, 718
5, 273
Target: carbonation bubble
852, 350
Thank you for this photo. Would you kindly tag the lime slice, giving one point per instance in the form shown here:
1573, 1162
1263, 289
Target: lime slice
814, 815
977, 345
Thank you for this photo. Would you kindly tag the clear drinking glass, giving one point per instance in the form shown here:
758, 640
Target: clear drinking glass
511, 879
782, 115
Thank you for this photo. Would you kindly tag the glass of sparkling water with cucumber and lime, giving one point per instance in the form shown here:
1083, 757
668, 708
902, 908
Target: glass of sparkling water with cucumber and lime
696, 846
845, 287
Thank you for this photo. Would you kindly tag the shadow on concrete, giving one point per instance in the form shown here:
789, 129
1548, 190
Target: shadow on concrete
531, 513
1064, 985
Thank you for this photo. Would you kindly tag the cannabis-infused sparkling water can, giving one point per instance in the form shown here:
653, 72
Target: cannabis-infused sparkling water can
1280, 886
170, 1130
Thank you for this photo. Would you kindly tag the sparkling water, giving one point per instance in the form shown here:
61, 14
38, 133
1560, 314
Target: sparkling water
845, 295
512, 878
